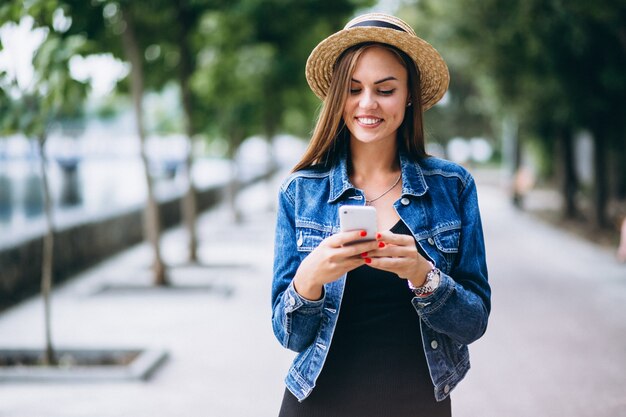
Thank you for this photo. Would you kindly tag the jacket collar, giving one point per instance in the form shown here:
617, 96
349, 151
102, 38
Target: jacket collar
413, 182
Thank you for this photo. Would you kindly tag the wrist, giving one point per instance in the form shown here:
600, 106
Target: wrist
429, 284
420, 276
308, 289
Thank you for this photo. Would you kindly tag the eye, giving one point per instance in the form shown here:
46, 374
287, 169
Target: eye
386, 92
355, 90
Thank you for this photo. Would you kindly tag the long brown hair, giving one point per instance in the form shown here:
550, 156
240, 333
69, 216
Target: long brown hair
330, 130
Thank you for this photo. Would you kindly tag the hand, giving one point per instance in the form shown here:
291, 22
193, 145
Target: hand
398, 253
329, 261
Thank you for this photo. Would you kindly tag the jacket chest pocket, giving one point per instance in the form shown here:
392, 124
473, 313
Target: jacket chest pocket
309, 235
442, 244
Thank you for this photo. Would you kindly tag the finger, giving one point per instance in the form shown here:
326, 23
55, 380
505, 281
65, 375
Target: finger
344, 255
357, 249
355, 262
395, 239
343, 238
388, 264
399, 266
391, 251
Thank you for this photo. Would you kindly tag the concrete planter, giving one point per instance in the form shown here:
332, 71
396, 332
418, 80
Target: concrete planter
80, 365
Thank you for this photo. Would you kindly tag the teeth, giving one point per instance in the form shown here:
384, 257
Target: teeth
368, 121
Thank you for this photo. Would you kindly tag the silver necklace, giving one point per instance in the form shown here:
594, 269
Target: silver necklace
369, 202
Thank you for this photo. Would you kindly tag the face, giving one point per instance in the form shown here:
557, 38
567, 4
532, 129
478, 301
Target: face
378, 97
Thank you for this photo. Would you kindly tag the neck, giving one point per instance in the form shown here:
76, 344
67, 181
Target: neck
373, 160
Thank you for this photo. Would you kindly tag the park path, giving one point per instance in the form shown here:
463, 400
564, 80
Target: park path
556, 342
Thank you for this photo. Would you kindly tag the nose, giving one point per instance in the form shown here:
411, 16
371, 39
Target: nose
368, 100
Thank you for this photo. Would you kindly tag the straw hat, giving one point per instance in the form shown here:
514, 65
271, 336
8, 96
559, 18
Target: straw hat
382, 28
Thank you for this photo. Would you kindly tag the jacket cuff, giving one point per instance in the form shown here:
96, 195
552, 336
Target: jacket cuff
294, 301
432, 302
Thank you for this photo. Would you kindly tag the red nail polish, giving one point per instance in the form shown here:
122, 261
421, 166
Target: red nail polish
363, 233
378, 236
364, 254
381, 244
368, 261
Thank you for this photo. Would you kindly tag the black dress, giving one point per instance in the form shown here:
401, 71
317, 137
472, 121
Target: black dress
376, 364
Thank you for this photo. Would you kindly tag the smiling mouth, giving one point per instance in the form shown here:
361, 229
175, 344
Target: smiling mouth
369, 121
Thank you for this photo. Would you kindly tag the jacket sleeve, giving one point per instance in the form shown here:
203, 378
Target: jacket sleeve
461, 304
295, 320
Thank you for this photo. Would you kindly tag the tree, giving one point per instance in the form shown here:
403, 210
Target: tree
292, 29
186, 17
124, 29
250, 76
31, 109
229, 81
558, 66
133, 54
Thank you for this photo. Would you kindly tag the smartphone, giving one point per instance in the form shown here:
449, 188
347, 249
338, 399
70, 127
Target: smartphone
358, 218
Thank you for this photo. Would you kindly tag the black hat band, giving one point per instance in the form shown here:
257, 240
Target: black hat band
378, 24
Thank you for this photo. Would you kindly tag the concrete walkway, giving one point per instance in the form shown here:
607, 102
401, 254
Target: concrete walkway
556, 342
556, 345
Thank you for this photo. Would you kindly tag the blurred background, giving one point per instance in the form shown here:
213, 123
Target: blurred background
120, 119
109, 90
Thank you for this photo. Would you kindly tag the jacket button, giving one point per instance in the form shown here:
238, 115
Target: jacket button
431, 241
446, 389
291, 301
405, 201
434, 344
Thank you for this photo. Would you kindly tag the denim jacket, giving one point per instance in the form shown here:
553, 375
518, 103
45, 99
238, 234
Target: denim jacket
439, 205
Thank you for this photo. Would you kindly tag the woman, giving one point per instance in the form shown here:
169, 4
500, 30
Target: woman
382, 326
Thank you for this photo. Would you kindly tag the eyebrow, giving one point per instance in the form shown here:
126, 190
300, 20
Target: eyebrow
377, 82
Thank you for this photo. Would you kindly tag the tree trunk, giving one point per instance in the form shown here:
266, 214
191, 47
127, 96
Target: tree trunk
600, 177
569, 179
271, 126
619, 153
47, 261
233, 190
512, 156
236, 137
518, 194
189, 205
152, 221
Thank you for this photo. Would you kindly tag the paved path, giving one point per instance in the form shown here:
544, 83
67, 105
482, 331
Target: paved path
556, 342
556, 345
